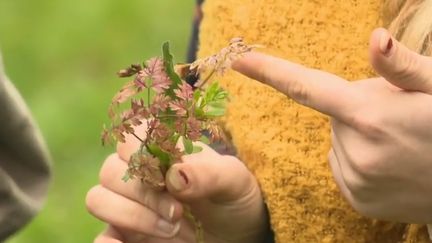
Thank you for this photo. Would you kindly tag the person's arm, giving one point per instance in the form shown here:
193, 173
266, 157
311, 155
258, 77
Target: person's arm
193, 42
24, 161
430, 230
381, 127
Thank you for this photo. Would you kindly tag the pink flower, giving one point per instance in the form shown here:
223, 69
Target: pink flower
194, 129
155, 70
124, 93
179, 107
140, 80
161, 102
184, 92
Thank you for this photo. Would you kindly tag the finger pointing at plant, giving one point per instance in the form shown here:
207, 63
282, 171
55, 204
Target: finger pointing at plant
381, 127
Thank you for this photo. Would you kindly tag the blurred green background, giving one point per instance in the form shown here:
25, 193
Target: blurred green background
62, 56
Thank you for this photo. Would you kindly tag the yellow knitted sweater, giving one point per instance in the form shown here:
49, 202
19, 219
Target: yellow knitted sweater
283, 143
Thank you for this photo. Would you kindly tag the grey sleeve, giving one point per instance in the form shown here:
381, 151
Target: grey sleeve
24, 161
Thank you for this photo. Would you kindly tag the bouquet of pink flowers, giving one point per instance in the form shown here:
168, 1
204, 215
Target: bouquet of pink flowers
172, 111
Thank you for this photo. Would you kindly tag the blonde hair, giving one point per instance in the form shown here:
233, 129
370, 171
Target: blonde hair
410, 21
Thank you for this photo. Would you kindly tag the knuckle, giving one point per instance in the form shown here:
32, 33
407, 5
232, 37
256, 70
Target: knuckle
355, 185
364, 165
139, 218
229, 161
143, 221
266, 72
149, 199
244, 177
108, 170
363, 177
93, 198
360, 174
407, 67
370, 125
298, 92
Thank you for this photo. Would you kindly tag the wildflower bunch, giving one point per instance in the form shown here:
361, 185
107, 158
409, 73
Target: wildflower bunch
171, 109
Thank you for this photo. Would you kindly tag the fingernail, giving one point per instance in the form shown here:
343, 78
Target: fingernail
166, 228
386, 43
171, 212
178, 179
166, 209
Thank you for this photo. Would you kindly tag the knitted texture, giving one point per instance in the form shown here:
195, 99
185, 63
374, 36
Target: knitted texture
284, 144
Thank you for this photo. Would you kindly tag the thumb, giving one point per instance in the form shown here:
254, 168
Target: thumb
209, 175
400, 66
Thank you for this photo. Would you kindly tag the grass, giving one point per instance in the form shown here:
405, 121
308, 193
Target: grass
62, 56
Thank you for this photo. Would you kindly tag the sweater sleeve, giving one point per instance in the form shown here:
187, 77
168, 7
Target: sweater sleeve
429, 226
24, 161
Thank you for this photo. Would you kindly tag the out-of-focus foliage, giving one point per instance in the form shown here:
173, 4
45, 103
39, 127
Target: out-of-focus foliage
62, 56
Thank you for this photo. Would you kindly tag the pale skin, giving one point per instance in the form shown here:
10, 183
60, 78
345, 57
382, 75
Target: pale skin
222, 193
381, 155
381, 128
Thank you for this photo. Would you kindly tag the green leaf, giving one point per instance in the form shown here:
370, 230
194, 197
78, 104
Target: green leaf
205, 139
148, 94
215, 112
168, 118
198, 99
126, 176
221, 94
169, 69
215, 108
197, 149
188, 145
156, 151
199, 112
211, 91
217, 104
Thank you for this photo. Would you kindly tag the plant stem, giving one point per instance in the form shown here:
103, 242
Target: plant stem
207, 79
199, 231
136, 136
148, 97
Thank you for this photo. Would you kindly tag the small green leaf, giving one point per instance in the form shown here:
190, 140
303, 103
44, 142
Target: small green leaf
188, 145
164, 157
168, 118
126, 176
175, 137
149, 93
215, 110
169, 69
199, 112
196, 94
221, 94
211, 91
197, 149
205, 139
217, 104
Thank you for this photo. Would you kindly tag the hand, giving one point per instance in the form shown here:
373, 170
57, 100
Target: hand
219, 189
381, 154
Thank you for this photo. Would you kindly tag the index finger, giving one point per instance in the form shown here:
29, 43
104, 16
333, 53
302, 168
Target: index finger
319, 90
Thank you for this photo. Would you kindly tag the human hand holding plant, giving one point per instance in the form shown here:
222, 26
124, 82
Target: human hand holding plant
219, 190
222, 199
